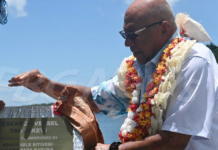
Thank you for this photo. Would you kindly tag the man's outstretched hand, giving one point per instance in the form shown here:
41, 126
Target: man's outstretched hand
32, 80
2, 105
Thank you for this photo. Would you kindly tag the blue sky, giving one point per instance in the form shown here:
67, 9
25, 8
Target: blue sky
74, 42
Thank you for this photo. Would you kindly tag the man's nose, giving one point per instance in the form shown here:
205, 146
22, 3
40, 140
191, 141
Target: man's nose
128, 42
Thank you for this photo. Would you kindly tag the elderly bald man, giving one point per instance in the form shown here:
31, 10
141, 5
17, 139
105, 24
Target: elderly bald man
178, 130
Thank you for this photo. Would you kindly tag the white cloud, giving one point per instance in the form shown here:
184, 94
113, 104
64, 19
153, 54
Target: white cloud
19, 98
16, 7
99, 10
171, 2
39, 98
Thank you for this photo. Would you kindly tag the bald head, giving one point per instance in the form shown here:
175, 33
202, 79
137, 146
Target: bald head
148, 11
142, 13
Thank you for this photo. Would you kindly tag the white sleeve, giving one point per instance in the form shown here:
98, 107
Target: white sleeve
190, 109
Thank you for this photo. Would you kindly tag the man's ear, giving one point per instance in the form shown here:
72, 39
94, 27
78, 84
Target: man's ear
165, 29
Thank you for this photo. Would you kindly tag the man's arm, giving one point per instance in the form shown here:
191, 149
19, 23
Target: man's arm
37, 82
164, 140
54, 89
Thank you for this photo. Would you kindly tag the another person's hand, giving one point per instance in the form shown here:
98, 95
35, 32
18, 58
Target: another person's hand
2, 105
32, 80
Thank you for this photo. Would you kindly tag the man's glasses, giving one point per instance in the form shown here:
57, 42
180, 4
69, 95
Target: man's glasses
132, 35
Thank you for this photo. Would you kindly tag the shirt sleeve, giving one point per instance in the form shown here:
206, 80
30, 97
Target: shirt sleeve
191, 107
3, 12
110, 99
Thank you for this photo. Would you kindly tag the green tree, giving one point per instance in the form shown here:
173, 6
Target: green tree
214, 49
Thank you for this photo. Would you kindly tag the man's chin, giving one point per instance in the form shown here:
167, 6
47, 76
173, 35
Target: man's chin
141, 60
140, 57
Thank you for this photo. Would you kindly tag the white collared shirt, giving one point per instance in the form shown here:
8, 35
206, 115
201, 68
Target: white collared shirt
193, 109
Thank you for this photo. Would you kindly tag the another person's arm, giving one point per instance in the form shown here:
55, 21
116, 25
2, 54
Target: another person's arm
2, 105
3, 12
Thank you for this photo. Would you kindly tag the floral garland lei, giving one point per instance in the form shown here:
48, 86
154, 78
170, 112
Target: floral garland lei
145, 115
